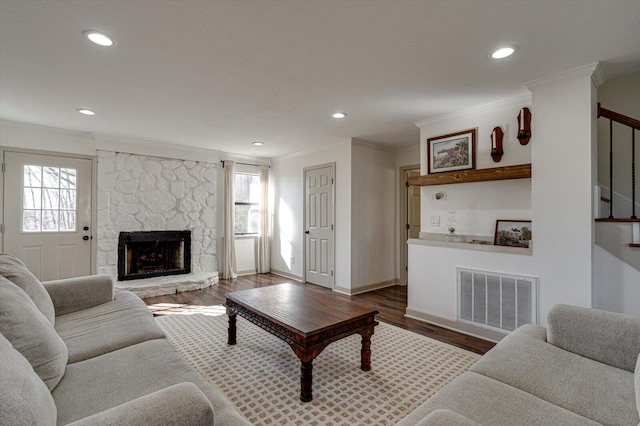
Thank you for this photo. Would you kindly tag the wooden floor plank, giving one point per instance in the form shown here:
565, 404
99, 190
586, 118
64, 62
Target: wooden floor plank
390, 301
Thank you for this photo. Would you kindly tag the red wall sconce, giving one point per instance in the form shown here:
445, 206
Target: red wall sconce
496, 144
524, 126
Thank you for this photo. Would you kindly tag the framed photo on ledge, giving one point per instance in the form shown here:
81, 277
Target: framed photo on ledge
448, 153
513, 233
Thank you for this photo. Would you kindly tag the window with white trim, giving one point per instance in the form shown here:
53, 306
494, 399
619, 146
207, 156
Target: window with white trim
247, 203
49, 199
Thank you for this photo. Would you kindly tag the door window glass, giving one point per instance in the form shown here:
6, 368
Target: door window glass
49, 199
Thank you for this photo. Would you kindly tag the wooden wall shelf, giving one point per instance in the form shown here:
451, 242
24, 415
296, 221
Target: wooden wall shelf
521, 171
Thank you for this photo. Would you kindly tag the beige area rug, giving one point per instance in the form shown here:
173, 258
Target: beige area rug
260, 375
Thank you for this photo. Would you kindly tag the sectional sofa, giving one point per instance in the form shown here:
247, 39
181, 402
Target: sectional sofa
73, 353
584, 369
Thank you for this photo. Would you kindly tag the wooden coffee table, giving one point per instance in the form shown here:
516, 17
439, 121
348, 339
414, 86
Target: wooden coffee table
306, 319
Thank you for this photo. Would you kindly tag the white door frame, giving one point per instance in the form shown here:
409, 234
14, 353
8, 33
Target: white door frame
403, 249
304, 220
94, 192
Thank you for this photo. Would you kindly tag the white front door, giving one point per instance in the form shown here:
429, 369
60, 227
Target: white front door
319, 238
47, 211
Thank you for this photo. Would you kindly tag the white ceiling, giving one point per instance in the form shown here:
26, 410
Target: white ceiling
222, 74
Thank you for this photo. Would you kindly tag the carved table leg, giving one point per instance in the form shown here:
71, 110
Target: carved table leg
365, 353
232, 327
306, 378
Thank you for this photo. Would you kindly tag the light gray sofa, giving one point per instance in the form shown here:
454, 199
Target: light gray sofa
73, 353
579, 371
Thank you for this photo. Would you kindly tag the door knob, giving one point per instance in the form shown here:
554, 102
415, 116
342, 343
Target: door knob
306, 232
86, 237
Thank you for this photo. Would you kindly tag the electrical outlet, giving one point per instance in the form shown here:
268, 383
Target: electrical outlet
434, 220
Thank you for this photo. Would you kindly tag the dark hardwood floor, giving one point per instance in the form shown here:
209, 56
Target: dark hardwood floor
390, 301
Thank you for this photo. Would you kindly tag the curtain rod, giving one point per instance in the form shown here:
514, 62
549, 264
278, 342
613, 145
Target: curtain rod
246, 164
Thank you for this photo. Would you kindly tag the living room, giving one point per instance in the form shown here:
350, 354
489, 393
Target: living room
264, 72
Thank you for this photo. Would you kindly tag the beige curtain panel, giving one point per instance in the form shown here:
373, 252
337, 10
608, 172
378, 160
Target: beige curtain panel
263, 264
229, 268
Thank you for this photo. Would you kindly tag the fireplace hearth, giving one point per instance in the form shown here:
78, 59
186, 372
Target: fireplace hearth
146, 254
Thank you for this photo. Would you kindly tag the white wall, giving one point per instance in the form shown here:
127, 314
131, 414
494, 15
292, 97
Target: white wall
562, 150
246, 255
287, 174
373, 219
27, 136
478, 205
563, 158
615, 284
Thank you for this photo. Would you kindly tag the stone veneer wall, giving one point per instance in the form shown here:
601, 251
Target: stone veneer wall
144, 193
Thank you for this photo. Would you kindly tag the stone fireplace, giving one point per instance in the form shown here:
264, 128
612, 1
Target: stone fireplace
147, 254
142, 194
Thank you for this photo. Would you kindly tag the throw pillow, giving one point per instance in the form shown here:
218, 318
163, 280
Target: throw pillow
31, 334
24, 398
15, 271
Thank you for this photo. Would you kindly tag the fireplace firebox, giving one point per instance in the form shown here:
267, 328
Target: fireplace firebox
146, 254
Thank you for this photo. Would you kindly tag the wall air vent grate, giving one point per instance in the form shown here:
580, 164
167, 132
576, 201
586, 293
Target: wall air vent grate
496, 301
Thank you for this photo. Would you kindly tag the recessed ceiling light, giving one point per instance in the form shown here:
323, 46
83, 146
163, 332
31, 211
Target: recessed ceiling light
98, 38
339, 115
503, 52
258, 143
85, 111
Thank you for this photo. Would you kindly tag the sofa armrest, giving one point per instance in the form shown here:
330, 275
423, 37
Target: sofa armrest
606, 337
182, 404
75, 294
442, 417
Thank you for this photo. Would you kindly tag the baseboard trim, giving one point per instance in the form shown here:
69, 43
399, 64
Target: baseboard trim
367, 288
247, 272
286, 275
453, 325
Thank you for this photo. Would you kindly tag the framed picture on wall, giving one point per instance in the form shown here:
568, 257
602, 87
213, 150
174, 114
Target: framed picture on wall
513, 233
448, 153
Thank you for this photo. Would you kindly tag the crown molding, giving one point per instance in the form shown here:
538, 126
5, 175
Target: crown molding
154, 148
373, 145
589, 70
520, 100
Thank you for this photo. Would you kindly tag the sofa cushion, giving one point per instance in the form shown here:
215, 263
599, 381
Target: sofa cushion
15, 271
24, 398
108, 380
31, 333
489, 402
607, 337
589, 388
636, 377
446, 418
107, 327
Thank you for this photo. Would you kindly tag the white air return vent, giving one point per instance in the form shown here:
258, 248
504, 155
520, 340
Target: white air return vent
496, 301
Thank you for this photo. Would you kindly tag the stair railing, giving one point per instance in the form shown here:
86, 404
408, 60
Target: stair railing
634, 125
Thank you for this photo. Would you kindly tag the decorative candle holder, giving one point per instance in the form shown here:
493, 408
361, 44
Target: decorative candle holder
496, 144
451, 227
524, 126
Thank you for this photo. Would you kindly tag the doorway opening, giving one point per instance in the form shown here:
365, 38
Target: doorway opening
409, 216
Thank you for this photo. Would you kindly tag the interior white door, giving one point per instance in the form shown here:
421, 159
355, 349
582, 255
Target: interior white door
47, 210
319, 213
